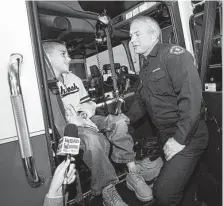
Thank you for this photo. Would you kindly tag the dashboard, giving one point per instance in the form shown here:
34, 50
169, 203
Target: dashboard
100, 85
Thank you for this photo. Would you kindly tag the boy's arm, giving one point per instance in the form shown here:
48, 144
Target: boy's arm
88, 108
86, 105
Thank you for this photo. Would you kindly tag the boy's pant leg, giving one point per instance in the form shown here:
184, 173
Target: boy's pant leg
96, 149
174, 175
116, 130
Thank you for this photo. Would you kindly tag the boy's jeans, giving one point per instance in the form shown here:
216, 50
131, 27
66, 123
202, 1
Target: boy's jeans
96, 149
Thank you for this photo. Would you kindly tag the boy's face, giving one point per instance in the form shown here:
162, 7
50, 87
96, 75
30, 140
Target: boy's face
59, 59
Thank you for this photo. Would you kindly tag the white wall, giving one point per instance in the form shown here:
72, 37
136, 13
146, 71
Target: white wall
15, 38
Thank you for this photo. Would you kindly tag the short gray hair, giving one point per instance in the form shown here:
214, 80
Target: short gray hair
49, 45
152, 24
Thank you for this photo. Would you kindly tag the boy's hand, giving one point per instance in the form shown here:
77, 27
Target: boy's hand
84, 115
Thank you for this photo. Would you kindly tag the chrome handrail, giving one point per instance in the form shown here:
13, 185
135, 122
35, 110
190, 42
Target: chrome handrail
14, 67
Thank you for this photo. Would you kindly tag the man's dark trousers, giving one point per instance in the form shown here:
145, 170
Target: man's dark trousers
170, 184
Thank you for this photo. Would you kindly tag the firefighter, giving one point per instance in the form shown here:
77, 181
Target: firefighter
80, 110
170, 92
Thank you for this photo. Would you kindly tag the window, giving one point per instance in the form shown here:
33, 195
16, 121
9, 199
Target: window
119, 54
216, 42
78, 67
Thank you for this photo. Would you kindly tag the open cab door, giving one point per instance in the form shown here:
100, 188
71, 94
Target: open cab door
206, 30
24, 155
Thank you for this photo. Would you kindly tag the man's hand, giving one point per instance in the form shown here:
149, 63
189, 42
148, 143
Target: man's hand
171, 148
59, 177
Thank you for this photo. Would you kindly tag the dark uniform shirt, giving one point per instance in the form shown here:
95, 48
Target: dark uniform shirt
170, 91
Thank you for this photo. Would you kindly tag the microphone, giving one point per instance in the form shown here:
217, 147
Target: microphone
69, 144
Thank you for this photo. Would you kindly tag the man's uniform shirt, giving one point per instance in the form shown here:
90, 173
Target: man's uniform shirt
170, 91
75, 100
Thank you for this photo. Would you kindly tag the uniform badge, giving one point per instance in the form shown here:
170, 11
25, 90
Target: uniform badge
177, 50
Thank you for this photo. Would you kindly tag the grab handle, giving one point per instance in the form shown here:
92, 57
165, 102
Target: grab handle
18, 108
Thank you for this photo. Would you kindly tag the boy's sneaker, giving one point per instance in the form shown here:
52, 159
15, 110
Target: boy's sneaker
149, 169
111, 197
136, 183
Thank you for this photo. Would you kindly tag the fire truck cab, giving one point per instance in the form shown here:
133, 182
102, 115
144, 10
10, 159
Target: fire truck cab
29, 135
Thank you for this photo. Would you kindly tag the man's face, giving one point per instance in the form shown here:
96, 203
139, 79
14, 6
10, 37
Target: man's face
59, 59
142, 38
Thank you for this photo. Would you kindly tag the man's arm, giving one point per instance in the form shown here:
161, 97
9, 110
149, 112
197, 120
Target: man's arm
187, 85
137, 109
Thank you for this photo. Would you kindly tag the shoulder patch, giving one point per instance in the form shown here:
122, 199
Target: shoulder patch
177, 50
